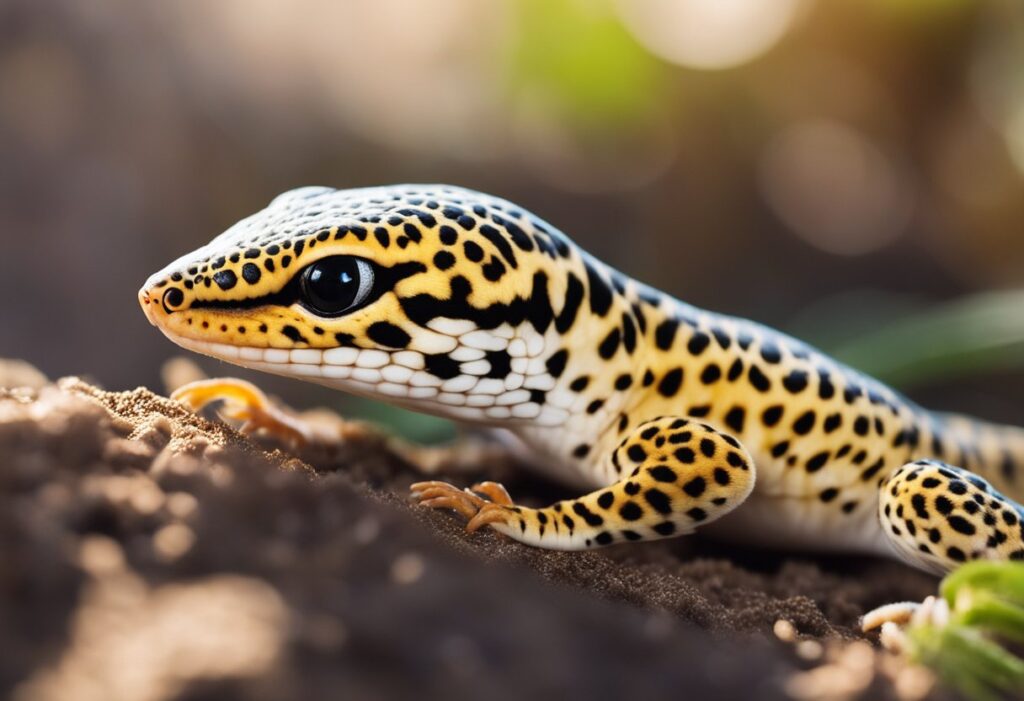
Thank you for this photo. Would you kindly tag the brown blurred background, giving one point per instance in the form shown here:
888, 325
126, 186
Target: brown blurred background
849, 171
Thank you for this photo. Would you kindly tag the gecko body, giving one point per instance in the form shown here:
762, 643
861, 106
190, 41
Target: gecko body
460, 304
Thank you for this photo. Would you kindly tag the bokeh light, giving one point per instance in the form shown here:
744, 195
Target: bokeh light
709, 34
834, 188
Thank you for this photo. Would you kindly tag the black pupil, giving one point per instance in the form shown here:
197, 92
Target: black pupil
330, 285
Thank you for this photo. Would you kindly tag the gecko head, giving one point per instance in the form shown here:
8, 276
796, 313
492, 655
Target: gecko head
414, 293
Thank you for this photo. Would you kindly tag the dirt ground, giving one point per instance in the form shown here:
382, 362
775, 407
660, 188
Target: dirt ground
148, 553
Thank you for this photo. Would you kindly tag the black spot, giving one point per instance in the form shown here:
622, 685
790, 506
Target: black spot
628, 333
603, 538
412, 231
826, 390
861, 426
665, 334
494, 270
557, 362
697, 514
580, 384
448, 235
961, 525
724, 340
758, 379
293, 333
805, 424
581, 451
955, 553
573, 299
636, 453
707, 447
500, 362
722, 476
736, 418
662, 473
670, 383
698, 342
795, 382
600, 293
251, 273
873, 470
770, 352
595, 406
695, 487
918, 502
385, 333
780, 449
473, 251
631, 511
735, 460
623, 382
225, 279
658, 500
666, 528
610, 345
818, 461
685, 456
735, 370
712, 374
832, 422
772, 415
444, 260
829, 494
943, 505
586, 514
442, 366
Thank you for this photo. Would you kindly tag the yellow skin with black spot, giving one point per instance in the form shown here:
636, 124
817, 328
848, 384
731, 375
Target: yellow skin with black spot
676, 417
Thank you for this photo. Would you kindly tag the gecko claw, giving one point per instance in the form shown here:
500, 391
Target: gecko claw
467, 503
490, 513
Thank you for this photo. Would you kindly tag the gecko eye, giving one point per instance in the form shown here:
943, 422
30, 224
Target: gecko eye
334, 285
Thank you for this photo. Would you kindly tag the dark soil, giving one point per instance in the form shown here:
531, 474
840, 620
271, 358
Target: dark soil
149, 553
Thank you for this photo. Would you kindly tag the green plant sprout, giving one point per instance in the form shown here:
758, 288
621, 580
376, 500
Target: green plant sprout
972, 635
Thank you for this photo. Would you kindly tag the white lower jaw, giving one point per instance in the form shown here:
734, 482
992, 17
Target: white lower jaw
377, 375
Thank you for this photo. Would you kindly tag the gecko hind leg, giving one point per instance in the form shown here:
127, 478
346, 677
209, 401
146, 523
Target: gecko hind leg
938, 517
679, 475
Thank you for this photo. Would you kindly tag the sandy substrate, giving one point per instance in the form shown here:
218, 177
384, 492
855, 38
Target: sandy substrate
148, 553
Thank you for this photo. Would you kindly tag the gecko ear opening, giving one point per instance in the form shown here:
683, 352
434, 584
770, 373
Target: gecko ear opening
336, 285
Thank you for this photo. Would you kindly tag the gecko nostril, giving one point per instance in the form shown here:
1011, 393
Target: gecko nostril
173, 297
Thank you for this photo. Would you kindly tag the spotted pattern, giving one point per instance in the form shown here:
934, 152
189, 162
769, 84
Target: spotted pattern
678, 475
936, 513
481, 311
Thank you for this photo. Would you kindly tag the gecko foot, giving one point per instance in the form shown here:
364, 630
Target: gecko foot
243, 401
478, 511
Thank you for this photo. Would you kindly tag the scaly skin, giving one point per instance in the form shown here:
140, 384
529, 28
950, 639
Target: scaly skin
482, 312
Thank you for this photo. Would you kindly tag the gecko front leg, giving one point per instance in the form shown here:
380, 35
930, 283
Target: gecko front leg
679, 474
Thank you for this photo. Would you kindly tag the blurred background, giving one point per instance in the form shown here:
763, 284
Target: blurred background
848, 171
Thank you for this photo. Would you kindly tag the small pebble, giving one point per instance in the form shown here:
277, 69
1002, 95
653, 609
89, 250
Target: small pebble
407, 568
